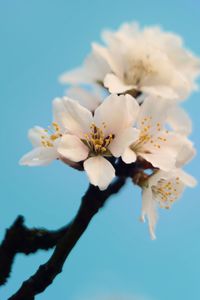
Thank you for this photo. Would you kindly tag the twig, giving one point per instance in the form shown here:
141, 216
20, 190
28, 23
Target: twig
92, 201
20, 239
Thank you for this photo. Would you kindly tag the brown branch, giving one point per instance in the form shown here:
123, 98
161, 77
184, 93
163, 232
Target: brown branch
20, 239
92, 201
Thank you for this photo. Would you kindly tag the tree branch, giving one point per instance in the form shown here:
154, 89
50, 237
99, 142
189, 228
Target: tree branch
92, 201
20, 239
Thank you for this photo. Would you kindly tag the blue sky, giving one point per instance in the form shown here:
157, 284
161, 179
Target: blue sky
39, 40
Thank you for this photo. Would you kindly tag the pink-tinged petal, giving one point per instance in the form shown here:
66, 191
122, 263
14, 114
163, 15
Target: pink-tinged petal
72, 148
40, 156
117, 112
116, 85
129, 156
100, 171
122, 140
75, 118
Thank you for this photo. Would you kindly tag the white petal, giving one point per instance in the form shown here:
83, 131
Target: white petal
93, 69
122, 140
74, 117
186, 178
149, 210
179, 120
89, 99
40, 156
79, 75
106, 55
116, 85
129, 156
34, 135
72, 148
161, 91
100, 171
160, 159
156, 108
172, 149
58, 107
185, 154
178, 146
118, 112
97, 67
126, 29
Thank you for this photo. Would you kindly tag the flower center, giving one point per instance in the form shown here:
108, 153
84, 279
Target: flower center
137, 71
146, 137
52, 134
166, 192
97, 141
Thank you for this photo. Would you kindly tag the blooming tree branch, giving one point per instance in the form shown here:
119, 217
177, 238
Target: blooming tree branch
120, 118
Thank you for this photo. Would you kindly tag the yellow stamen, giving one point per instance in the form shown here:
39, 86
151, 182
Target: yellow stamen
165, 192
53, 133
97, 141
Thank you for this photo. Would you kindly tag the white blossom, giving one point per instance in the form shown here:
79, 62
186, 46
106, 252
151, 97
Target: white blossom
149, 61
155, 143
163, 189
45, 142
172, 44
94, 138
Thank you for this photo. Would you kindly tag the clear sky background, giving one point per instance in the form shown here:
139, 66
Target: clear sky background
39, 39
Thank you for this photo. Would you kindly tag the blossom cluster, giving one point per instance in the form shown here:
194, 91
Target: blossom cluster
123, 105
